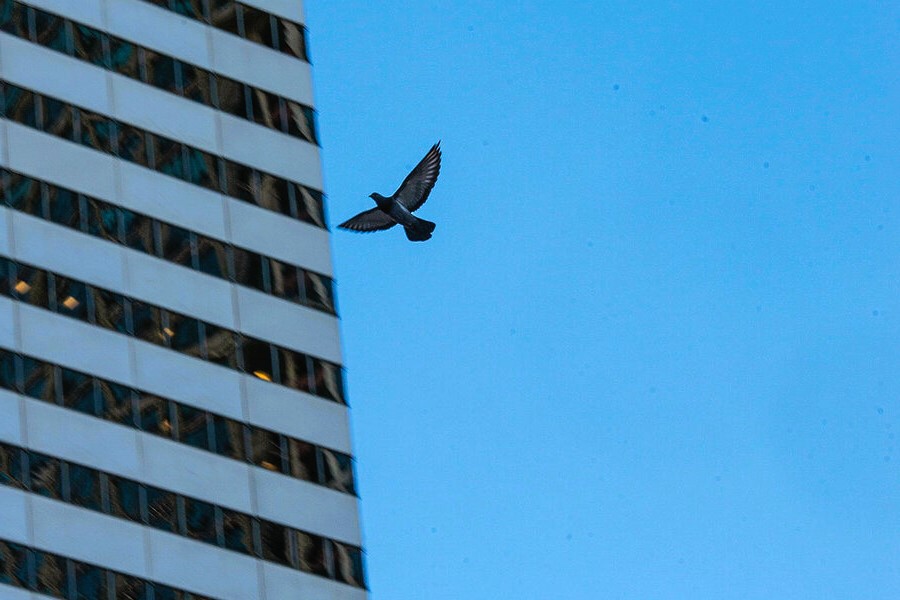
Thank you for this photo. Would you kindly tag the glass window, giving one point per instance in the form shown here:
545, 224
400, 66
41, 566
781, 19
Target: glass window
138, 231
24, 194
7, 276
176, 244
71, 298
124, 498
328, 380
168, 156
195, 84
221, 346
310, 206
223, 14
116, 402
19, 105
102, 220
147, 323
303, 462
13, 562
14, 18
154, 414
65, 207
188, 8
212, 256
265, 108
258, 359
310, 553
182, 333
294, 369
50, 574
129, 588
276, 543
39, 378
275, 194
200, 520
231, 96
348, 564
258, 26
58, 118
131, 145
338, 473
241, 182
265, 449
44, 475
51, 31
238, 530
109, 310
90, 582
193, 427
159, 70
228, 436
94, 131
78, 392
248, 268
11, 466
162, 510
124, 57
8, 379
84, 487
302, 122
202, 168
164, 592
88, 45
292, 39
284, 280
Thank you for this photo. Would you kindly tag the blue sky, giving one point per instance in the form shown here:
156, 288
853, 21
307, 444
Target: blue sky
651, 350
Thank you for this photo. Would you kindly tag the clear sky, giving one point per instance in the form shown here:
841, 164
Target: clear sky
652, 350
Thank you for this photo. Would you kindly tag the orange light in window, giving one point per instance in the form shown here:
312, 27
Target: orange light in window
165, 426
71, 303
22, 287
267, 465
263, 375
168, 332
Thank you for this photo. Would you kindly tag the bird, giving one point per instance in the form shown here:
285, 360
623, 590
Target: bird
398, 208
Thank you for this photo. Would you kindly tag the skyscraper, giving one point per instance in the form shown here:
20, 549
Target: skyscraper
173, 421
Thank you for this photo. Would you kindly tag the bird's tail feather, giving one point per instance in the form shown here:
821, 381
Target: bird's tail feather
420, 231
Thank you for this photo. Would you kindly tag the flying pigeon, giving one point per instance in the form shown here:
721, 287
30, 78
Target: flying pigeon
411, 194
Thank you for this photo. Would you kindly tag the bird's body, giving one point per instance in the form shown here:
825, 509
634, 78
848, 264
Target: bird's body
398, 208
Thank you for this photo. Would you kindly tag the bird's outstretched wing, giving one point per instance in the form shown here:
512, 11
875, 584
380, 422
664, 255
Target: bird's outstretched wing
369, 220
414, 190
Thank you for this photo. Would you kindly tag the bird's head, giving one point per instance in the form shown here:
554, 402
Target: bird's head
380, 200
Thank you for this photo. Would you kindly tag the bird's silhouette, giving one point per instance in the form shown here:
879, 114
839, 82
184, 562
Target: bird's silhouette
411, 194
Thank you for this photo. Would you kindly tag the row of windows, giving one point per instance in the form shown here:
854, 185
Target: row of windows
179, 422
163, 327
165, 510
159, 70
248, 22
61, 577
164, 240
161, 154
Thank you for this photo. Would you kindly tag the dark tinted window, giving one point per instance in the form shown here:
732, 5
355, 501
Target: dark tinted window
11, 473
276, 545
292, 39
146, 323
124, 498
88, 45
195, 84
58, 118
90, 582
193, 427
13, 18
124, 57
154, 415
161, 509
310, 206
265, 109
241, 182
19, 105
212, 256
95, 131
168, 156
50, 574
183, 334
65, 207
109, 310
284, 280
13, 562
202, 168
200, 520
303, 461
78, 391
51, 31
223, 14
176, 244
238, 531
294, 369
302, 122
159, 70
348, 564
228, 436
258, 26
39, 378
102, 219
45, 475
84, 487
310, 553
231, 96
131, 146
221, 346
265, 449
338, 471
71, 298
258, 359
138, 231
24, 194
116, 402
248, 268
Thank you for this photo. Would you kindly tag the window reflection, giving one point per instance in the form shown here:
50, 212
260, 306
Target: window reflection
310, 206
338, 473
176, 244
51, 31
154, 416
31, 285
116, 402
265, 108
44, 475
195, 84
202, 169
14, 19
11, 466
129, 588
159, 70
238, 531
78, 392
161, 509
221, 346
223, 14
294, 368
88, 45
131, 145
248, 268
182, 333
200, 520
168, 156
95, 131
124, 57
212, 256
124, 498
318, 291
90, 582
228, 437
291, 39
348, 564
24, 194
285, 283
193, 427
58, 118
258, 26
147, 323
84, 487
13, 565
231, 96
71, 298
303, 461
65, 207
273, 194
50, 574
188, 8
138, 231
241, 182
265, 449
102, 220
39, 379
19, 105
328, 380
276, 543
310, 553
109, 310
302, 122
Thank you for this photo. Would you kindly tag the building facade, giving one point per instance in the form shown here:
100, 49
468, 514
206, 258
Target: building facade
173, 422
